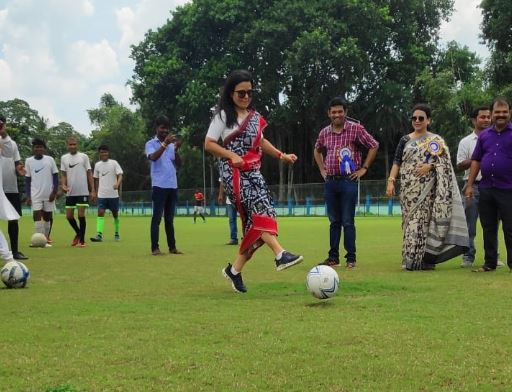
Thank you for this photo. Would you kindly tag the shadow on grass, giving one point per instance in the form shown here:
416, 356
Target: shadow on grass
321, 304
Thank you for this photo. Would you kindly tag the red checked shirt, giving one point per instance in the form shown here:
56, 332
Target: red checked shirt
353, 137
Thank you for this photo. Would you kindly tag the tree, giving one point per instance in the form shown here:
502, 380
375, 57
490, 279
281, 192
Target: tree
23, 123
453, 85
496, 28
123, 132
302, 53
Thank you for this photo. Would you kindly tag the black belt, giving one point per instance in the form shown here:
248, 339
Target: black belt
338, 177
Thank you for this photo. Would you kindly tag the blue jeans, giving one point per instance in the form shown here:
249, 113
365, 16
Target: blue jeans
231, 209
471, 210
164, 202
341, 199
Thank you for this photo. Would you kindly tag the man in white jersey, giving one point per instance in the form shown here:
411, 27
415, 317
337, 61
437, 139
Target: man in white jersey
108, 176
78, 184
41, 185
7, 211
11, 168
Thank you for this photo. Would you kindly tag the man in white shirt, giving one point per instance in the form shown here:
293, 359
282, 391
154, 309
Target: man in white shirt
481, 119
41, 185
108, 176
7, 211
78, 184
11, 168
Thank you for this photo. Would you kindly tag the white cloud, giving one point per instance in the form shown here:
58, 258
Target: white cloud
87, 8
134, 22
3, 17
121, 93
6, 77
95, 61
464, 27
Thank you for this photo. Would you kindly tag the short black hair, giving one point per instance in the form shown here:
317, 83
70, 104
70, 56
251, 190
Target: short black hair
38, 142
478, 109
338, 101
162, 120
2, 118
500, 101
424, 107
103, 147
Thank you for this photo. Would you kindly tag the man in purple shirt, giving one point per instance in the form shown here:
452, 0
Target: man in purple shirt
493, 158
339, 158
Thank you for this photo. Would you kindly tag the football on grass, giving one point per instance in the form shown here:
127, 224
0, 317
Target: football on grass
38, 240
14, 274
322, 282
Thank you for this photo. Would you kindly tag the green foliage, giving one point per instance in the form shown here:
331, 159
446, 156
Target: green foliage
453, 85
302, 54
23, 123
123, 132
496, 27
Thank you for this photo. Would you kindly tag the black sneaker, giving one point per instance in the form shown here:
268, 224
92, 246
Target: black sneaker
331, 263
236, 280
98, 238
19, 256
287, 260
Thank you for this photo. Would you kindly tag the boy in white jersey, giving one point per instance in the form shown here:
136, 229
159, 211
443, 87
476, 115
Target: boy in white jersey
41, 185
108, 176
78, 184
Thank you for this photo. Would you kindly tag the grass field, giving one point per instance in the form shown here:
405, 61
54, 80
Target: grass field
111, 317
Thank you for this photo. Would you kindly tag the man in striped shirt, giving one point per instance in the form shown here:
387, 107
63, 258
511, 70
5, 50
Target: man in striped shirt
338, 154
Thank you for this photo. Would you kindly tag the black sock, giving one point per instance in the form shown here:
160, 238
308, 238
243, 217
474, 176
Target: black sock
74, 225
13, 229
81, 219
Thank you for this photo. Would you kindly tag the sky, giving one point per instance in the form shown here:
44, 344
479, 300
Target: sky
61, 56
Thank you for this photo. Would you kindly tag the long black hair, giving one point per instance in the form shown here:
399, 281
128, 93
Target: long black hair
225, 101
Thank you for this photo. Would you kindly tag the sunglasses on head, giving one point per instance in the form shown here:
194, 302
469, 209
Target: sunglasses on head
418, 118
243, 93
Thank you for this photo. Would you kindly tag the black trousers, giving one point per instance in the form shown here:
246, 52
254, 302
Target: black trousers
494, 205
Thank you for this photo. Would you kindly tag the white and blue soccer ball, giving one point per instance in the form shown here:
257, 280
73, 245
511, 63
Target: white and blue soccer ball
14, 274
38, 240
322, 282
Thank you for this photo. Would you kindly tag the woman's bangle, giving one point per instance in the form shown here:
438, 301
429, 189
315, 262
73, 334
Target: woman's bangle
164, 145
391, 179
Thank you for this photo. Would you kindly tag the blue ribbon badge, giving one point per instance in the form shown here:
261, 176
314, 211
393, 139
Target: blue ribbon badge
347, 165
434, 148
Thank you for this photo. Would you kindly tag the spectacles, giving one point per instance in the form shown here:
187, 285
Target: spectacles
419, 118
243, 93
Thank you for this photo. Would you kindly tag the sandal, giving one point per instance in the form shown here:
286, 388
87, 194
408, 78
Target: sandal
483, 269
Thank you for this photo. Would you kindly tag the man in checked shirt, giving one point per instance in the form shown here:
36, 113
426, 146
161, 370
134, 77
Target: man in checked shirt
339, 157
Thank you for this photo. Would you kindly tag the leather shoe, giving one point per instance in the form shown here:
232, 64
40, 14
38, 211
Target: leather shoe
19, 256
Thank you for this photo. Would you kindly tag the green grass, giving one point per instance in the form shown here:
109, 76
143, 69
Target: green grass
111, 317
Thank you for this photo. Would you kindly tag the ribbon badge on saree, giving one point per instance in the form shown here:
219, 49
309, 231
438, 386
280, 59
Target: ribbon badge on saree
347, 165
433, 147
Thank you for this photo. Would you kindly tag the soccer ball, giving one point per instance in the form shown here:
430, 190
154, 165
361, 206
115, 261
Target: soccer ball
38, 240
322, 282
14, 274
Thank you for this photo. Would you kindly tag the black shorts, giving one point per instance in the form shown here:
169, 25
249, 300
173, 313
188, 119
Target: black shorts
15, 200
77, 201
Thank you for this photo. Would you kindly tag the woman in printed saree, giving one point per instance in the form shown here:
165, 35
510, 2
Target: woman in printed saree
241, 129
433, 221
